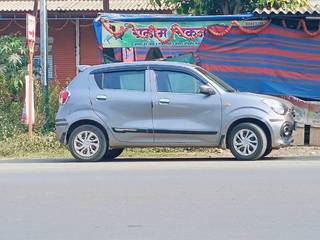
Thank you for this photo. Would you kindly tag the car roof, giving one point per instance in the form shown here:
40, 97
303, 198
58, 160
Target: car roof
139, 63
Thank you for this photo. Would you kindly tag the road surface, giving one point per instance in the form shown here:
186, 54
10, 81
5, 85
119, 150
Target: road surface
160, 199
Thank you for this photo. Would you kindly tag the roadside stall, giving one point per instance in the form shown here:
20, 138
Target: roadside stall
167, 37
253, 53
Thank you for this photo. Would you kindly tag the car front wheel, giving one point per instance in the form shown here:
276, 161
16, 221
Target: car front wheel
268, 151
87, 143
247, 141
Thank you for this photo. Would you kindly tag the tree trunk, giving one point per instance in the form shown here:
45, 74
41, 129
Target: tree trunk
237, 7
225, 7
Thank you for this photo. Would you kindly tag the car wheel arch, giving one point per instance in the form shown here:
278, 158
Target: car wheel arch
256, 121
78, 123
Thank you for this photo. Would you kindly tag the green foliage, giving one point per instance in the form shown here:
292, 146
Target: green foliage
285, 4
13, 135
54, 90
11, 110
13, 68
10, 120
218, 7
13, 63
20, 145
208, 7
14, 140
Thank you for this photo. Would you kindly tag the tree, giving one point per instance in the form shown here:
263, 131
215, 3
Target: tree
218, 7
13, 68
13, 62
285, 4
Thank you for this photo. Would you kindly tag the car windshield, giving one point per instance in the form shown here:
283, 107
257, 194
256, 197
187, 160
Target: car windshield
226, 87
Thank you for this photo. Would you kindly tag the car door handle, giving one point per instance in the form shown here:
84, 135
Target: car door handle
101, 98
164, 101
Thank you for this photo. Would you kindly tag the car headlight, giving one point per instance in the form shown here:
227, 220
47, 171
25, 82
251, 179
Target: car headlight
276, 106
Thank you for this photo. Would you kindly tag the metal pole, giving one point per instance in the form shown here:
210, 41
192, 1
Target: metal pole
44, 59
30, 93
77, 45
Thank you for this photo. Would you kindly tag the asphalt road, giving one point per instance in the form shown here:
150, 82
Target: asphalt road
166, 199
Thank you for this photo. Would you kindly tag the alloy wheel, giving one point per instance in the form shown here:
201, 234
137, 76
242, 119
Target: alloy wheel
86, 144
245, 142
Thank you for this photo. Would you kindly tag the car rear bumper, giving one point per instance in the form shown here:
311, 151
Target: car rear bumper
61, 130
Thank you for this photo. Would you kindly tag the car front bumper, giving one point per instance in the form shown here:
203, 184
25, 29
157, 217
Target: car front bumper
282, 131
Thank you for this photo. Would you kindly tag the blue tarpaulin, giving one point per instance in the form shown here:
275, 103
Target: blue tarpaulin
276, 61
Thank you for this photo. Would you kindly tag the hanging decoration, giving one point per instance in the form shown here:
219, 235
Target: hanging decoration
302, 24
58, 29
19, 25
234, 23
53, 28
305, 29
299, 25
6, 27
83, 25
284, 24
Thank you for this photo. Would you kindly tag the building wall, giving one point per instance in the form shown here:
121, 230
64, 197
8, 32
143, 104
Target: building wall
63, 50
89, 53
62, 33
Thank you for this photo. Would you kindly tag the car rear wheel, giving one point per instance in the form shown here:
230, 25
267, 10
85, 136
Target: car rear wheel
112, 153
247, 141
87, 143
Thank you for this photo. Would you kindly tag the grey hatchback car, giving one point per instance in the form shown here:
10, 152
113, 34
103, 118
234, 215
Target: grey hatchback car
107, 108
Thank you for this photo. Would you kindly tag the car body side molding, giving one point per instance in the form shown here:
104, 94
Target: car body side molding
163, 131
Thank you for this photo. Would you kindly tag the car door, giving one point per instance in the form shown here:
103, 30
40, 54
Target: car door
181, 114
122, 97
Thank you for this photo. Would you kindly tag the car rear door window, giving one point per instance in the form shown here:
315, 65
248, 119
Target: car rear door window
124, 80
177, 82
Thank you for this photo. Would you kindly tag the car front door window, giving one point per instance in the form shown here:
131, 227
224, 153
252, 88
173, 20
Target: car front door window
177, 82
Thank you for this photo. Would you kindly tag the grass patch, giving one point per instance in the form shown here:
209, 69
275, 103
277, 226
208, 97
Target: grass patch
47, 146
41, 146
164, 152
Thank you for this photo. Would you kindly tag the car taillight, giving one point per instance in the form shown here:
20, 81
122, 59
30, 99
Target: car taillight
64, 96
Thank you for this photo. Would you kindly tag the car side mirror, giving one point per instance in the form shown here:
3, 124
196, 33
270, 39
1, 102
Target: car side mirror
205, 89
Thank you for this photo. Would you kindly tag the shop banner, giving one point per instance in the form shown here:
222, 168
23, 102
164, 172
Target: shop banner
158, 34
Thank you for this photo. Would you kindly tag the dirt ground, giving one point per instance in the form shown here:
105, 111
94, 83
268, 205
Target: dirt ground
213, 152
296, 151
285, 152
165, 153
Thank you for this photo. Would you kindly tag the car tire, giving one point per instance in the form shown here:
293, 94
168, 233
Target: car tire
267, 152
112, 153
87, 143
247, 141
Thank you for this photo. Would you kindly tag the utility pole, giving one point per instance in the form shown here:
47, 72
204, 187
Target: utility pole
44, 59
106, 6
35, 8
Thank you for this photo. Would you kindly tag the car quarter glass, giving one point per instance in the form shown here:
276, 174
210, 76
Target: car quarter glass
125, 80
